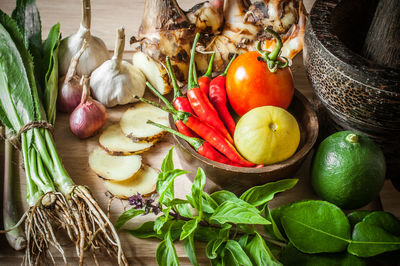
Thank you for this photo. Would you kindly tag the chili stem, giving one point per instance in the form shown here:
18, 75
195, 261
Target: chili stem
177, 91
227, 67
195, 142
191, 83
210, 65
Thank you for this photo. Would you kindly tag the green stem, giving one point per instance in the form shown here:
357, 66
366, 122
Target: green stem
272, 59
195, 75
60, 177
191, 83
32, 192
44, 174
177, 91
34, 173
40, 143
227, 67
274, 54
195, 142
210, 65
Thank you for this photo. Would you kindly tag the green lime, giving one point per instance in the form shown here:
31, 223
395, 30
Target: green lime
348, 170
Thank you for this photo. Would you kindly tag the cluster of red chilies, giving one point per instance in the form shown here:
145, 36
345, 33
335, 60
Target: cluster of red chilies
202, 117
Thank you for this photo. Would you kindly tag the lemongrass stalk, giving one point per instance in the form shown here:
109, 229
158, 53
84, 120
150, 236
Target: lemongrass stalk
15, 237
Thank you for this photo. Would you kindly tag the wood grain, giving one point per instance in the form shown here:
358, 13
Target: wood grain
107, 16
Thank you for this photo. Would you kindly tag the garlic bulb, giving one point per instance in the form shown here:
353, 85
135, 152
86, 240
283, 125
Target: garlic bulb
94, 55
117, 81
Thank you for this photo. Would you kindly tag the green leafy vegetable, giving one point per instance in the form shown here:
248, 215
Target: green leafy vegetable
273, 228
259, 252
316, 226
357, 216
369, 240
189, 227
384, 220
260, 195
166, 253
238, 254
189, 248
126, 216
293, 257
234, 212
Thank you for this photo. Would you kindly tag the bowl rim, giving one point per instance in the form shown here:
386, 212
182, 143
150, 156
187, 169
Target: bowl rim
297, 156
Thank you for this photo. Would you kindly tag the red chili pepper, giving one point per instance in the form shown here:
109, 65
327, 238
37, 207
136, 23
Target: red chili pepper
206, 132
200, 103
180, 102
204, 81
201, 146
217, 96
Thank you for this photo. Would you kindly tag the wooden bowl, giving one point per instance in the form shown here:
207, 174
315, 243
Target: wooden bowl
238, 179
358, 94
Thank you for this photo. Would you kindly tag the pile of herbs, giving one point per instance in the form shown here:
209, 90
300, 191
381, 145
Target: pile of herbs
28, 93
244, 231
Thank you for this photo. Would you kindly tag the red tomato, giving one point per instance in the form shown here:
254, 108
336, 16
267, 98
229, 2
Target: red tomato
250, 84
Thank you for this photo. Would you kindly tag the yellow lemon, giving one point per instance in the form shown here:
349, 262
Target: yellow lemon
267, 135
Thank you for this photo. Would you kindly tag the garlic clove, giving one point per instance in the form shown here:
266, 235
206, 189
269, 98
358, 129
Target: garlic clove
93, 56
117, 82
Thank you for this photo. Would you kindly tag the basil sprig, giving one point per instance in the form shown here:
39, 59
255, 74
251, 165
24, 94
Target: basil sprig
301, 233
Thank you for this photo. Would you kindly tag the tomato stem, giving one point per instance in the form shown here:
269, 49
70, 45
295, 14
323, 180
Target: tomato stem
272, 59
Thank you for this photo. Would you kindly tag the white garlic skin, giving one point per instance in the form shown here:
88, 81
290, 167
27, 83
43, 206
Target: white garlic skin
117, 85
92, 57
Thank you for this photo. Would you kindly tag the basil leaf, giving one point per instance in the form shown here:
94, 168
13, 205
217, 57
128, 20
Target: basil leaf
357, 216
190, 250
176, 202
210, 252
161, 220
50, 62
126, 216
384, 220
223, 195
272, 229
205, 234
238, 254
184, 210
316, 226
197, 189
209, 204
146, 230
369, 240
259, 252
232, 212
166, 253
165, 186
243, 240
189, 227
292, 257
260, 195
217, 244
168, 163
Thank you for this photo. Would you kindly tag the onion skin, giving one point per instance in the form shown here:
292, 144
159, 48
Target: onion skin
89, 116
69, 94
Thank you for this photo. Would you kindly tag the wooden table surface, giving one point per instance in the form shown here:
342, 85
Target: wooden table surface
106, 17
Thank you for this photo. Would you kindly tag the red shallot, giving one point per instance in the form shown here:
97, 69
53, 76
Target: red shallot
89, 116
70, 88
